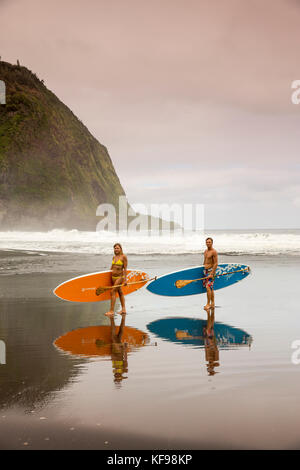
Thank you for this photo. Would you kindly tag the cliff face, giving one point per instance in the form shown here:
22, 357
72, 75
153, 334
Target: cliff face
53, 172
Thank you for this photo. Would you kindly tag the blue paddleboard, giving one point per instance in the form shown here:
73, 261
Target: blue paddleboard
189, 331
165, 285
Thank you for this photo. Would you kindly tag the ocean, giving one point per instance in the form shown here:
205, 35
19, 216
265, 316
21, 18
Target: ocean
256, 242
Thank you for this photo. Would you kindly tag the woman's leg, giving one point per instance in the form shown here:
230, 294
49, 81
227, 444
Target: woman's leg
122, 300
112, 299
118, 281
121, 296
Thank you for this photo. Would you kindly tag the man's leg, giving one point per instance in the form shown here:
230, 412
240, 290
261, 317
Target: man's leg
208, 291
212, 301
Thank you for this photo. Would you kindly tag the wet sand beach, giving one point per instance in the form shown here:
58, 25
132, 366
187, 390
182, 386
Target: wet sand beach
173, 392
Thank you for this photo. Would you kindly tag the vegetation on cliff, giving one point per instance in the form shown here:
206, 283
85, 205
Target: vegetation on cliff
53, 172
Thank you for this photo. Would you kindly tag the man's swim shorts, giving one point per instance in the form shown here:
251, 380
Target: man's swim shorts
208, 282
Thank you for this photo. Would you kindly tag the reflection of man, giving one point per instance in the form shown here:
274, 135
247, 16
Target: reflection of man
210, 266
210, 343
118, 351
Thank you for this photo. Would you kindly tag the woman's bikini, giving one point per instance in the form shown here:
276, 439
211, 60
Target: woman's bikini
118, 263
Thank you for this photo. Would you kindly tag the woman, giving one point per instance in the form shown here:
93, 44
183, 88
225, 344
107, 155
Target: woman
118, 277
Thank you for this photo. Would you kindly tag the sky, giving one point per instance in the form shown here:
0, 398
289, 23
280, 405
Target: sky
191, 98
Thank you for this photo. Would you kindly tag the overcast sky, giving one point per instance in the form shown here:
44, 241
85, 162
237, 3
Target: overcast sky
192, 98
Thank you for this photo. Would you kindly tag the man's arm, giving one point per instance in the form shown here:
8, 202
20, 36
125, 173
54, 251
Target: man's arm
215, 265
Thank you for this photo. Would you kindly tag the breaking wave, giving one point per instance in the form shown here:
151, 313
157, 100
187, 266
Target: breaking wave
226, 242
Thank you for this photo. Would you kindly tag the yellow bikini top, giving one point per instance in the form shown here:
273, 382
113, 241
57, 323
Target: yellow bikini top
119, 262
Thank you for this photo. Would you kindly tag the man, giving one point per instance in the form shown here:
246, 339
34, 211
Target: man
210, 266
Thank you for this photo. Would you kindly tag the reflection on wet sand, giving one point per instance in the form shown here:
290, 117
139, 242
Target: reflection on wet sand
202, 333
109, 340
210, 343
118, 351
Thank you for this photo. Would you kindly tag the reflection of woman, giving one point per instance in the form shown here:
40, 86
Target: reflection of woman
118, 277
210, 343
118, 351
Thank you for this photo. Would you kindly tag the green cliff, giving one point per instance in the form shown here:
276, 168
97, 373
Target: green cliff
53, 172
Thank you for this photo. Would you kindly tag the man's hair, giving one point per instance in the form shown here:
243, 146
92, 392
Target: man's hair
209, 238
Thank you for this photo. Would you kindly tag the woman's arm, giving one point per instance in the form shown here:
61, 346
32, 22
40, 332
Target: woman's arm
125, 261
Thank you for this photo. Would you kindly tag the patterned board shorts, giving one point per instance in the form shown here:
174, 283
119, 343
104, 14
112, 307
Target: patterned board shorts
208, 282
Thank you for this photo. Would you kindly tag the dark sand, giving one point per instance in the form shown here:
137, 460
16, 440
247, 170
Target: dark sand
52, 400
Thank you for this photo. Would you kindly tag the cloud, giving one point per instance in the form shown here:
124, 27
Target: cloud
223, 52
193, 103
296, 202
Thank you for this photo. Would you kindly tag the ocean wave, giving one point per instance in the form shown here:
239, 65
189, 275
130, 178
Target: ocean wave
75, 241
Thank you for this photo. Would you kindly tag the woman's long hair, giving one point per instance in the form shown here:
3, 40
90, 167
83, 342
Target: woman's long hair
118, 244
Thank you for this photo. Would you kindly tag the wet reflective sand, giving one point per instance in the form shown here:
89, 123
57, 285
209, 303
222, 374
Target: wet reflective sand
168, 377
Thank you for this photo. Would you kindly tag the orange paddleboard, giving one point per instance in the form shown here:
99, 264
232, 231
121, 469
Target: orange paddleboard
97, 340
83, 288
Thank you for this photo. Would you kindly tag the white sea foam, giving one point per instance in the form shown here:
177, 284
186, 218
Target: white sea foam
74, 241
